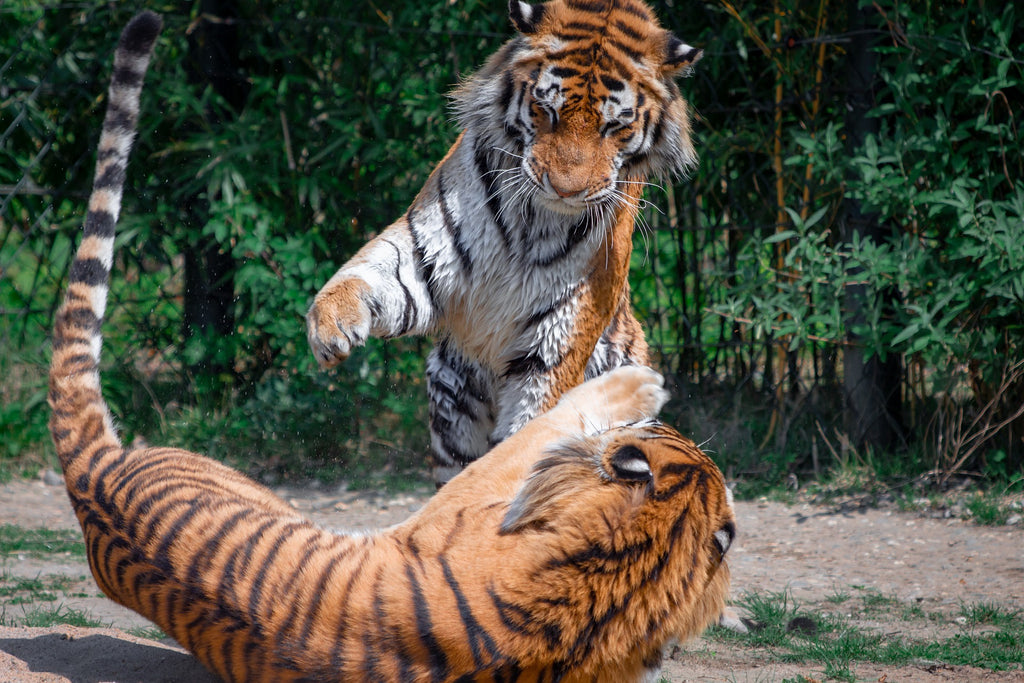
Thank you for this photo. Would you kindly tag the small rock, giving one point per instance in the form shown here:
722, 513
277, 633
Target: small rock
51, 478
1014, 520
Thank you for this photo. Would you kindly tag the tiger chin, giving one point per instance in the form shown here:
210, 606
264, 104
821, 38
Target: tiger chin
515, 253
575, 551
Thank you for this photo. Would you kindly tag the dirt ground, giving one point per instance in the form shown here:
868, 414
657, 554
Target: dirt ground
814, 552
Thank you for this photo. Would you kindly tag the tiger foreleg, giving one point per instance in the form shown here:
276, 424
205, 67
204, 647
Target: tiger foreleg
380, 291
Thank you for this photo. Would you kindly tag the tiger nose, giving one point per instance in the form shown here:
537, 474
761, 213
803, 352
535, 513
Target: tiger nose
562, 191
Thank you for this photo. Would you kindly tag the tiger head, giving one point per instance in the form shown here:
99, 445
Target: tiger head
658, 518
596, 551
586, 101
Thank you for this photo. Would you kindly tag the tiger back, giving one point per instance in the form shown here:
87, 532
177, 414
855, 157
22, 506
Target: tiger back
515, 253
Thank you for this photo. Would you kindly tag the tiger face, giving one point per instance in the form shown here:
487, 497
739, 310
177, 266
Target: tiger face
590, 104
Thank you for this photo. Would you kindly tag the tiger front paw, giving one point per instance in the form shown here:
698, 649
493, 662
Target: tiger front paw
621, 396
338, 321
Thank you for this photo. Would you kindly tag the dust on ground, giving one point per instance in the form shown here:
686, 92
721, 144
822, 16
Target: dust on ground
815, 552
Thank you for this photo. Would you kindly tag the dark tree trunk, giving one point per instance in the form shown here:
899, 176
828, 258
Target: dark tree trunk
871, 386
213, 60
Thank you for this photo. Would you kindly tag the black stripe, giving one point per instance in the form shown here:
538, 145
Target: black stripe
371, 656
493, 198
685, 482
452, 226
588, 5
657, 129
268, 562
597, 560
89, 271
651, 138
635, 9
527, 364
409, 313
126, 480
240, 556
635, 55
140, 33
564, 71
513, 617
113, 177
518, 619
439, 666
585, 26
628, 30
460, 518
119, 121
213, 542
99, 224
127, 76
474, 630
425, 267
576, 234
508, 86
612, 84
108, 154
113, 469
312, 616
341, 634
538, 316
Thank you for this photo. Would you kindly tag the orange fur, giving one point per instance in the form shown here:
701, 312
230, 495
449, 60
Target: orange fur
576, 550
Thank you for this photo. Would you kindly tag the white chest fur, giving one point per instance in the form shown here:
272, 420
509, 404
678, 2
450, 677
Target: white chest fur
506, 274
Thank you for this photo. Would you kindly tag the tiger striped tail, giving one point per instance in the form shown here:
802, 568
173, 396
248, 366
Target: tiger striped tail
81, 424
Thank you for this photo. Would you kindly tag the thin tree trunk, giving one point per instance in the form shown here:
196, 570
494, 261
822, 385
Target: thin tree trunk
213, 60
871, 385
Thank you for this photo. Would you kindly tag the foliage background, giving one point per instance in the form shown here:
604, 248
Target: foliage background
270, 151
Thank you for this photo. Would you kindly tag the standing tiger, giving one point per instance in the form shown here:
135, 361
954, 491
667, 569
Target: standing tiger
515, 253
575, 551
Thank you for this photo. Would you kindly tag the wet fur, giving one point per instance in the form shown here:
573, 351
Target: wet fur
516, 251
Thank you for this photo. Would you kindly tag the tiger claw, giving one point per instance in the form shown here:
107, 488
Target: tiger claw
334, 329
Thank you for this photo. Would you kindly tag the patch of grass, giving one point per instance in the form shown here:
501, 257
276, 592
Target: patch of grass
147, 632
911, 612
15, 539
874, 602
18, 590
997, 650
990, 613
987, 510
44, 617
778, 620
992, 637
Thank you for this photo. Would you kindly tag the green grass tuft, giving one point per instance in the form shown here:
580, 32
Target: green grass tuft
15, 539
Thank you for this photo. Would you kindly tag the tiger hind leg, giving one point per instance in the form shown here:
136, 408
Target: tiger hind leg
462, 411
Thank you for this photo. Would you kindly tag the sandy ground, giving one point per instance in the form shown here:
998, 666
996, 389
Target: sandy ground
813, 552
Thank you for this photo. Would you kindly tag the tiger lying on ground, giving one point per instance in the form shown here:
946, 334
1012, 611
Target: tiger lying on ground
515, 253
577, 550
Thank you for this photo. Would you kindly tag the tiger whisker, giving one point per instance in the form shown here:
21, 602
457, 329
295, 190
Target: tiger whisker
511, 154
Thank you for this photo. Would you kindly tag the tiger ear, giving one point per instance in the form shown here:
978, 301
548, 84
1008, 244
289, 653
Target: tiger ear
554, 480
680, 57
526, 17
